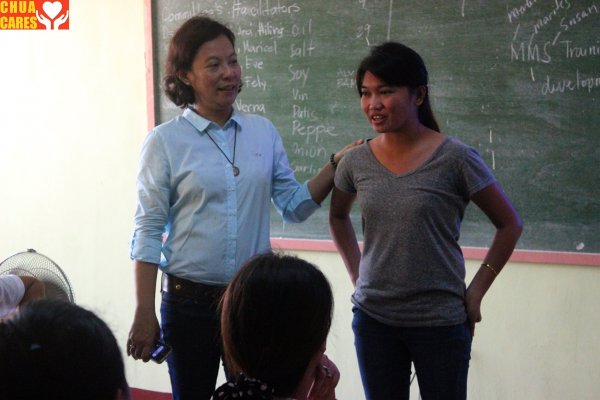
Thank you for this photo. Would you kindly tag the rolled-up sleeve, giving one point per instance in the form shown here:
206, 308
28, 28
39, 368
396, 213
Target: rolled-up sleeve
153, 193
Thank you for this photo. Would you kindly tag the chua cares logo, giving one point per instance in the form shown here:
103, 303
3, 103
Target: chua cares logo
34, 15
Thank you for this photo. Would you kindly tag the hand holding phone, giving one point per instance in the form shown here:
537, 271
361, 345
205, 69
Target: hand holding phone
160, 352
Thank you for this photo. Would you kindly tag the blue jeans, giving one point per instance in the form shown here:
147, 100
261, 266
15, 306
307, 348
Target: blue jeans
440, 355
191, 327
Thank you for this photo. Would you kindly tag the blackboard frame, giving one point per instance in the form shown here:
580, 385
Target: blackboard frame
470, 253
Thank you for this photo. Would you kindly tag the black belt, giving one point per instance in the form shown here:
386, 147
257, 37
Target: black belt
192, 290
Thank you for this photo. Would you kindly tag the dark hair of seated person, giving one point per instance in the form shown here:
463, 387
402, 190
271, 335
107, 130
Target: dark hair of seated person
53, 349
276, 315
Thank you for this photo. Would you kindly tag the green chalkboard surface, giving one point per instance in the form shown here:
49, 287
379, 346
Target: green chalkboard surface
518, 80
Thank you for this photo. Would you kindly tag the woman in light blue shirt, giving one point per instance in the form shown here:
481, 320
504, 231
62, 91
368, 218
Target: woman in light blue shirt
205, 186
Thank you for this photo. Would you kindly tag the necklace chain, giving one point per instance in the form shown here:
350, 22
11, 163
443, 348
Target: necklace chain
235, 169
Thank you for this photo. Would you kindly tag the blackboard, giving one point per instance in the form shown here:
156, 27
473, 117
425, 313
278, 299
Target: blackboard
518, 80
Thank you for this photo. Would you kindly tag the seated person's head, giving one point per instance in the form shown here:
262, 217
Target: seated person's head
276, 314
57, 350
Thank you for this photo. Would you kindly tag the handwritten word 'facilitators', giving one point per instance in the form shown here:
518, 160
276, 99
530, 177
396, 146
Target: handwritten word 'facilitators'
13, 15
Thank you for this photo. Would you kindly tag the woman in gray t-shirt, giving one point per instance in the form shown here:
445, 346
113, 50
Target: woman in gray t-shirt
413, 184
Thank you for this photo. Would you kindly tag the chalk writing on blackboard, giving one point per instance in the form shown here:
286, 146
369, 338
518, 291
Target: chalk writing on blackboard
519, 80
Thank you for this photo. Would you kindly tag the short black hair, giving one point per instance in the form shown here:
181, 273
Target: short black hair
183, 47
53, 349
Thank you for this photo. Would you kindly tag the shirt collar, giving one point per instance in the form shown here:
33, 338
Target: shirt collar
202, 124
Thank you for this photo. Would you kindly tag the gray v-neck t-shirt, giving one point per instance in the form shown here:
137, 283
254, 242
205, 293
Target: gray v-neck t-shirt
412, 269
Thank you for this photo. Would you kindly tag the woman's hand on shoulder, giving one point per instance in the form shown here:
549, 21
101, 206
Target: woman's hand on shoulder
339, 154
327, 376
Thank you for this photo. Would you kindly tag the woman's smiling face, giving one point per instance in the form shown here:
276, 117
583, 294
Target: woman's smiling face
215, 76
388, 108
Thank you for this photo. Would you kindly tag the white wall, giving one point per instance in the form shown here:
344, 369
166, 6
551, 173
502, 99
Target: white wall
72, 118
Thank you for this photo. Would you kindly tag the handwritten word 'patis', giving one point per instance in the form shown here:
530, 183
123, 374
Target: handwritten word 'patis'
303, 112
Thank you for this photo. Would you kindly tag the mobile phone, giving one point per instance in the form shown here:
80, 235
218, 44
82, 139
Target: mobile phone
161, 352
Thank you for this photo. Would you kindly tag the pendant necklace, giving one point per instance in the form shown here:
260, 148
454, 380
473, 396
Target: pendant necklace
236, 170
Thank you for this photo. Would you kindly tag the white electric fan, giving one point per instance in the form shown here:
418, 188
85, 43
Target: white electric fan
39, 266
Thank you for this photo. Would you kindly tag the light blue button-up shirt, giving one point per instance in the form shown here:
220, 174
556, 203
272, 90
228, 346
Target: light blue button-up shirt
213, 221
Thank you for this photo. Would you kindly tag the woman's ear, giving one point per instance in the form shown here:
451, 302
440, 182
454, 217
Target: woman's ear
183, 78
420, 94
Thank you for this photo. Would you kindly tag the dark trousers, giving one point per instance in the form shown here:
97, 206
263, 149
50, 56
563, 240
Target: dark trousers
191, 327
440, 355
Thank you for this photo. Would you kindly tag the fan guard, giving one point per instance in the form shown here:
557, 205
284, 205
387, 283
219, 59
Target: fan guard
39, 266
